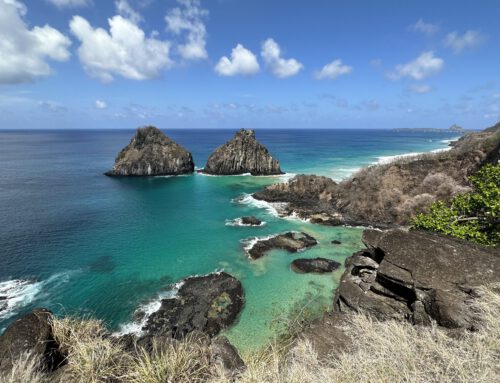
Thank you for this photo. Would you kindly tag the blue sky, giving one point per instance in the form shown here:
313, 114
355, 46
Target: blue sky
246, 63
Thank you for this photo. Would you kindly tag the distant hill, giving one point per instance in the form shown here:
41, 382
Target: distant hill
453, 128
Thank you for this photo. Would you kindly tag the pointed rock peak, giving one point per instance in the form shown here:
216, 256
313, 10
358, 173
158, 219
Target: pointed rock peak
152, 153
242, 154
244, 133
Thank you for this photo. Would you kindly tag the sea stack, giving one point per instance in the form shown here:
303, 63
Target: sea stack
152, 153
243, 154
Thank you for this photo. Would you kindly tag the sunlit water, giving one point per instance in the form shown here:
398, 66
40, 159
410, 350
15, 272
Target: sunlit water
78, 242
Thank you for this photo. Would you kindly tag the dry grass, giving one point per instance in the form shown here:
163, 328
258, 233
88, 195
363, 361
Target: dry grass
26, 369
184, 361
381, 352
92, 355
394, 352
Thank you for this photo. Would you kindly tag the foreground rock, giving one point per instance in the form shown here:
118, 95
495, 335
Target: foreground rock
314, 265
251, 221
291, 242
243, 154
152, 153
418, 276
389, 194
30, 335
206, 304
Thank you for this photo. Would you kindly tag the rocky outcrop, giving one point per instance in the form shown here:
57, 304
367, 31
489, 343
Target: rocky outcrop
291, 242
152, 153
206, 304
251, 221
243, 154
314, 265
389, 194
412, 276
30, 335
419, 276
226, 355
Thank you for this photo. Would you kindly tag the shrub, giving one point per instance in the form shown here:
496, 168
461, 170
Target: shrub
473, 216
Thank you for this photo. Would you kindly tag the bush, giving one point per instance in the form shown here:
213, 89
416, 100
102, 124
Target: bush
473, 216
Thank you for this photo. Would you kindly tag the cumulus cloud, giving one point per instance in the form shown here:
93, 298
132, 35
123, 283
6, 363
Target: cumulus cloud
428, 29
24, 52
271, 53
420, 88
123, 8
123, 51
242, 62
70, 3
333, 70
422, 67
458, 43
99, 104
188, 19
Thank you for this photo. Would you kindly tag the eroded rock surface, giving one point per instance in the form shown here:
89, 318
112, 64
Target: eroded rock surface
314, 265
152, 153
416, 276
30, 335
243, 154
291, 242
251, 221
206, 304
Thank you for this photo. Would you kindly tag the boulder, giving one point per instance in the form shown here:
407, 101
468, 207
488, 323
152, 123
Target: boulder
206, 304
30, 335
251, 221
336, 242
152, 153
291, 242
314, 265
416, 275
226, 355
243, 154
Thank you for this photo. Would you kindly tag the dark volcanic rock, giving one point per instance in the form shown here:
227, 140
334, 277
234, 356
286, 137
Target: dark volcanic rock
407, 276
152, 153
242, 154
251, 221
418, 276
207, 304
314, 265
30, 334
291, 242
336, 242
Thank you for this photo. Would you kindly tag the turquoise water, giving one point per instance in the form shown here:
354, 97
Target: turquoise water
78, 242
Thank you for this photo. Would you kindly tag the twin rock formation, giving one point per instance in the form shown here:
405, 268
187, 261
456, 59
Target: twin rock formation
152, 153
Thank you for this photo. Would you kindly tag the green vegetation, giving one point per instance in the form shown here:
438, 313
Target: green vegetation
473, 216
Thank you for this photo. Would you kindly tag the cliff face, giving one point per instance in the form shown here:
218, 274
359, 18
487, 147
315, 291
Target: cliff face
152, 153
408, 276
384, 195
243, 154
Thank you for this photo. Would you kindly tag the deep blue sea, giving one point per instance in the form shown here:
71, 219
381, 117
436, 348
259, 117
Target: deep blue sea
78, 242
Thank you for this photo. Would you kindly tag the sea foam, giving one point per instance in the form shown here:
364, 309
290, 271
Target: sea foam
239, 222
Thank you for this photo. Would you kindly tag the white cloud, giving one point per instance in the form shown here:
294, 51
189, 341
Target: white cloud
428, 29
24, 52
423, 66
99, 104
242, 62
420, 88
459, 43
333, 70
271, 53
123, 8
123, 51
189, 19
70, 3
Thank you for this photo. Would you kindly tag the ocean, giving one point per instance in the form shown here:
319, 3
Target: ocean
80, 243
